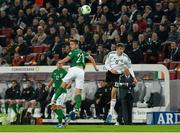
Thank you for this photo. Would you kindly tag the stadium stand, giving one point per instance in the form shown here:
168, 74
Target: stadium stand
154, 24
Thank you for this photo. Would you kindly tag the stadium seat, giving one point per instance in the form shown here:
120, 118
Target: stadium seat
46, 48
165, 64
161, 57
173, 65
172, 75
56, 57
37, 49
6, 31
178, 75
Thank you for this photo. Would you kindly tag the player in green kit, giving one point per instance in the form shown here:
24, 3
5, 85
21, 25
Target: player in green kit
77, 59
60, 94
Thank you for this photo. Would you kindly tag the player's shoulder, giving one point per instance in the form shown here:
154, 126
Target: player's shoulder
126, 56
112, 53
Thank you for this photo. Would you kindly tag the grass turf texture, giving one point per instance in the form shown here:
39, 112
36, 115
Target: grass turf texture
89, 128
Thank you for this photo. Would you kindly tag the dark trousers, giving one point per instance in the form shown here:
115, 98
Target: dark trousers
43, 106
102, 108
85, 106
118, 109
127, 105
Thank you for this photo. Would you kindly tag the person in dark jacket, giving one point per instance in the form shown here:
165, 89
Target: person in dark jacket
102, 100
124, 104
174, 53
39, 96
136, 55
11, 95
27, 95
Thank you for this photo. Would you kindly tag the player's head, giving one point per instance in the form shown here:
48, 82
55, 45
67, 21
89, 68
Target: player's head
73, 44
173, 45
14, 83
126, 71
59, 65
120, 48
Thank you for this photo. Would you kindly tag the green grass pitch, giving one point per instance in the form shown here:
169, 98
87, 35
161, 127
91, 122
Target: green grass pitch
89, 128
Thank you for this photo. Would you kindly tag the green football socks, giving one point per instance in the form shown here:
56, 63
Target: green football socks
78, 102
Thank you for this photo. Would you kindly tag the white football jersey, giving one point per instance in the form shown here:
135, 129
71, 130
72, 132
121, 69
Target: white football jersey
114, 61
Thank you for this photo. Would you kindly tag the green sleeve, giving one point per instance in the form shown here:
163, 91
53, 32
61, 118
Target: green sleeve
86, 55
71, 54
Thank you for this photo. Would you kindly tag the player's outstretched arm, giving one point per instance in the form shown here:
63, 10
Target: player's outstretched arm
49, 85
93, 63
66, 59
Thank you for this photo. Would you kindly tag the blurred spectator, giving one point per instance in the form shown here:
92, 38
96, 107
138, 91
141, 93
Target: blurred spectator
158, 13
162, 33
142, 23
43, 60
74, 34
55, 48
154, 47
22, 48
40, 36
174, 53
173, 34
135, 31
3, 62
94, 4
171, 12
22, 20
17, 60
60, 6
129, 43
123, 33
126, 22
110, 32
106, 42
5, 20
72, 6
123, 11
109, 15
177, 22
101, 52
165, 21
6, 55
95, 42
42, 14
63, 33
148, 14
19, 33
87, 34
96, 17
103, 22
30, 16
65, 51
35, 24
134, 12
51, 36
82, 44
11, 47
136, 55
142, 42
28, 36
80, 24
65, 19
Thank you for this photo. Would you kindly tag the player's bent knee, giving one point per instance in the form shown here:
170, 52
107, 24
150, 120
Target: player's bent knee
63, 85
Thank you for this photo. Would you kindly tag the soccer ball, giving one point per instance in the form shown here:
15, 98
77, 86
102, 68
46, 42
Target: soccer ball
85, 9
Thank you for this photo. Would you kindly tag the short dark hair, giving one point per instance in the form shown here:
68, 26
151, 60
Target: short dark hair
74, 40
120, 45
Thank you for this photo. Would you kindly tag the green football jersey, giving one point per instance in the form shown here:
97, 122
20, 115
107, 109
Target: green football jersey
78, 57
57, 76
